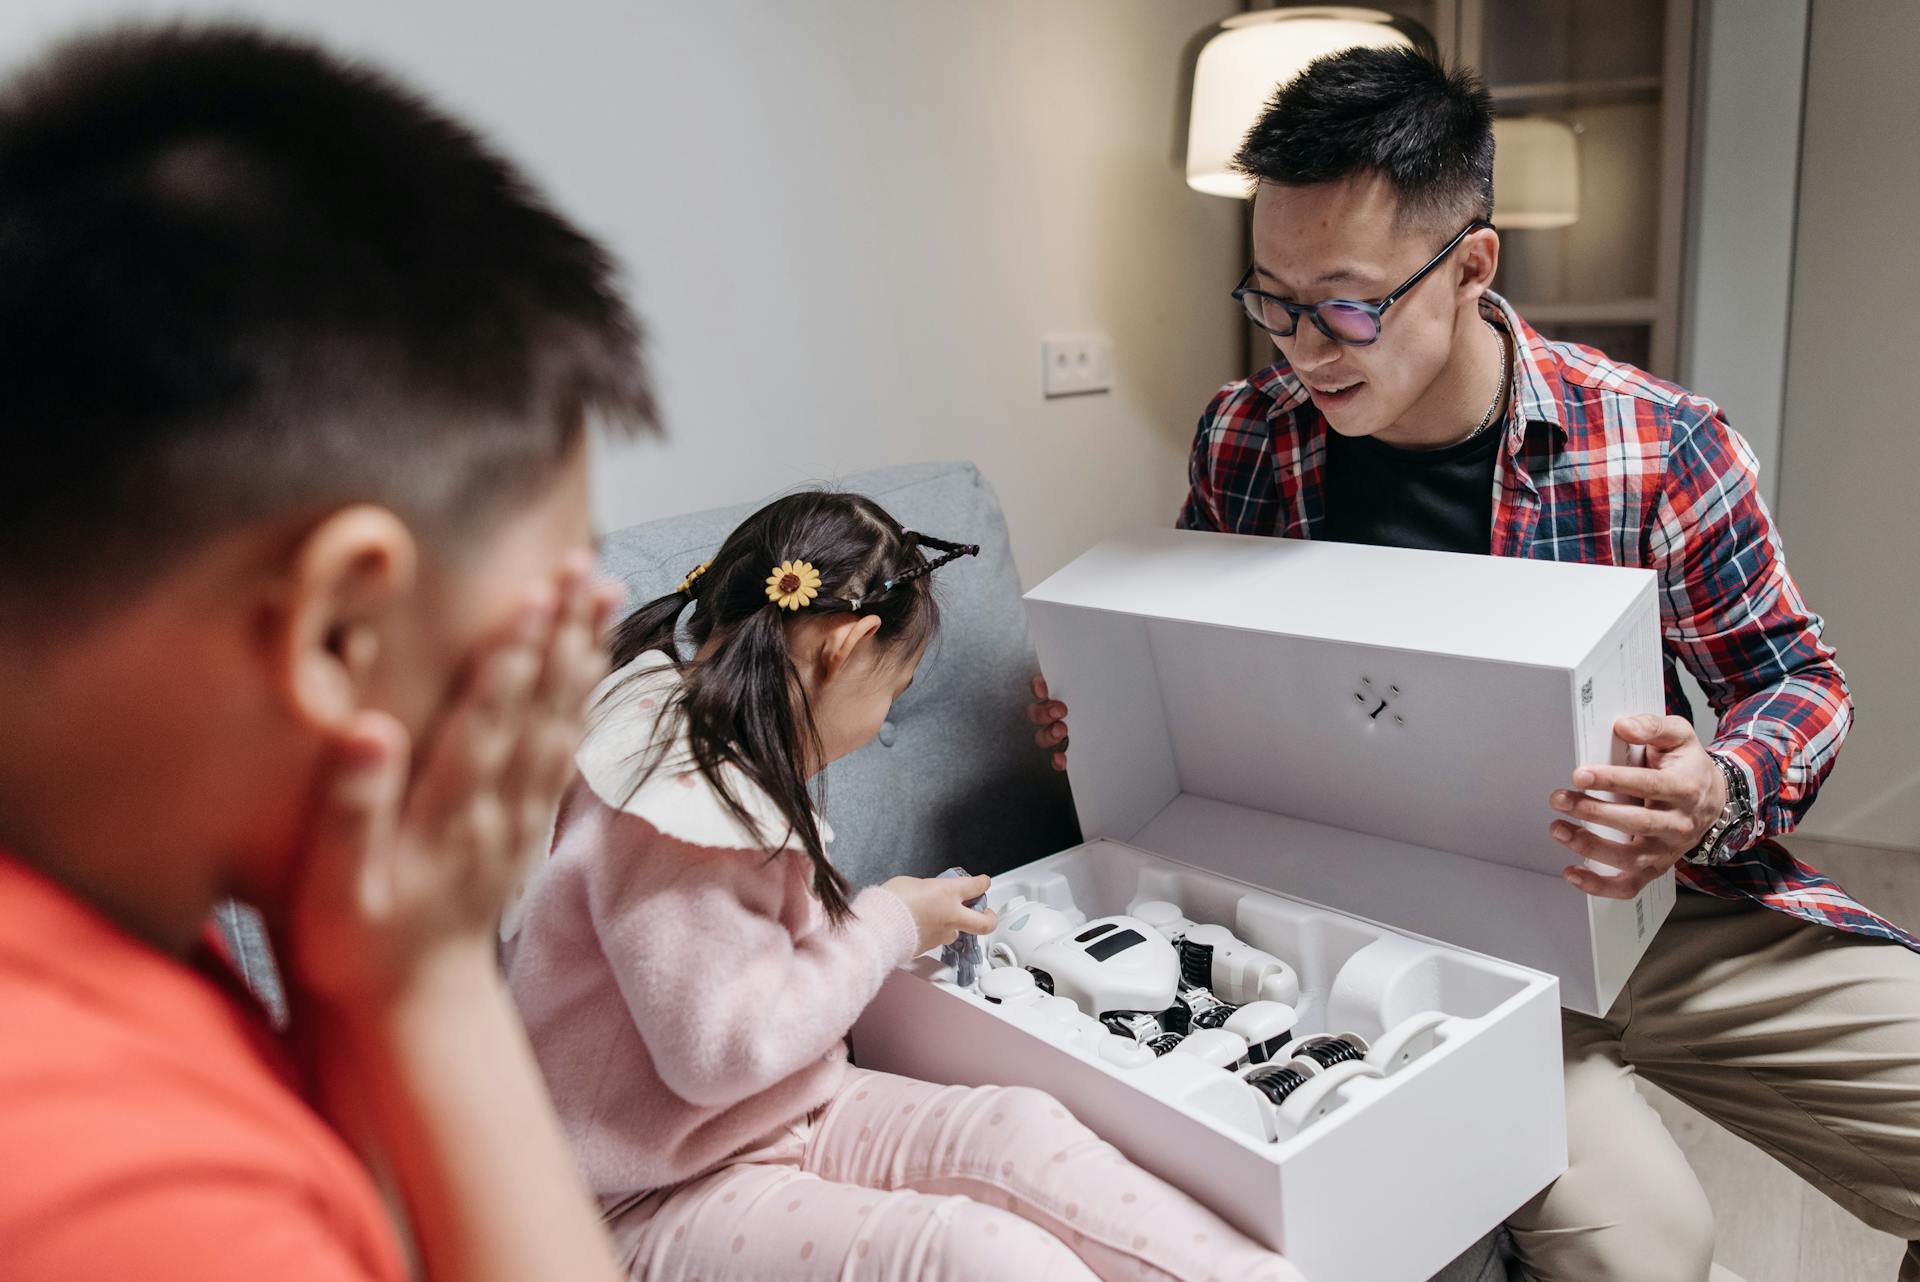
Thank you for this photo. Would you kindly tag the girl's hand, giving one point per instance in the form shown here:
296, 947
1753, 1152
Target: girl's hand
401, 874
939, 907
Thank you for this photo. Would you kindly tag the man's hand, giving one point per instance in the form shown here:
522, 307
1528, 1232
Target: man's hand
1050, 715
401, 872
1664, 808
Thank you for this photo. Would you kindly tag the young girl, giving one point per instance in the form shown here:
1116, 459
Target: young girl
689, 962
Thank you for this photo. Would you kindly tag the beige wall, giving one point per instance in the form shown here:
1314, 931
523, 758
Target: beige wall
1750, 60
849, 224
929, 189
1849, 497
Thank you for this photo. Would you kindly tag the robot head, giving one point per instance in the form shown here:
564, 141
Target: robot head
1113, 963
1025, 926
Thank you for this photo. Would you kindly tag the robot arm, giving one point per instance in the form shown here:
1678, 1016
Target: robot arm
1213, 958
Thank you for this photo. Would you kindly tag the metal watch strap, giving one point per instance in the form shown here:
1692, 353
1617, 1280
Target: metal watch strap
1745, 829
1736, 813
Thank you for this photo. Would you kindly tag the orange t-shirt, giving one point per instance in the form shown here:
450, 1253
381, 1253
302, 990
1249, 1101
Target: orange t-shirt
151, 1125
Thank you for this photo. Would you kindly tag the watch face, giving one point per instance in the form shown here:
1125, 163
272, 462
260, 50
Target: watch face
1708, 851
1737, 826
1720, 843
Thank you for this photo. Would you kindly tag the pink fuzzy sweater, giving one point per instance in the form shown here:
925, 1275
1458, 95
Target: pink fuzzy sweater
684, 992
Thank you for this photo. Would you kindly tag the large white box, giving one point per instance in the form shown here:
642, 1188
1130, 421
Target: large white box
1374, 729
1344, 754
1389, 1188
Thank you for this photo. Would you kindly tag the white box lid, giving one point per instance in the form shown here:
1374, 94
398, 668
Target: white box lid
1431, 699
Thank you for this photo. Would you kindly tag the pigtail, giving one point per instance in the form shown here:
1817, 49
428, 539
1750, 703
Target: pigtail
654, 626
745, 707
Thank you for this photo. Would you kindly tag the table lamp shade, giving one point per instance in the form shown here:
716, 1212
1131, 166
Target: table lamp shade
1536, 173
1252, 54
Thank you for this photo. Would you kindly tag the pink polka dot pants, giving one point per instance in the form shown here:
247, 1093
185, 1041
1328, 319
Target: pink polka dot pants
897, 1180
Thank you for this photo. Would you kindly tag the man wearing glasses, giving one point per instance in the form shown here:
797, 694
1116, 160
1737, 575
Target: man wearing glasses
1412, 407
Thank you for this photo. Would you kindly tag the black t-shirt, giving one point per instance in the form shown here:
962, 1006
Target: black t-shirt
1440, 500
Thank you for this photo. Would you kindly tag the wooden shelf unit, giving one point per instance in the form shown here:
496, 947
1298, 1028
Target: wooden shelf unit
1617, 311
1561, 94
1621, 73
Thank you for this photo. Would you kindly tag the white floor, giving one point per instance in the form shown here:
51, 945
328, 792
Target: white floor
1770, 1225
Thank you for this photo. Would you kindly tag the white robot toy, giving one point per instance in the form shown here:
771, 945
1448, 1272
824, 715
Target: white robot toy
1155, 980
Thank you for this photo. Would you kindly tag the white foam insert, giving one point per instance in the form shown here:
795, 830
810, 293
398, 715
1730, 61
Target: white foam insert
1391, 1186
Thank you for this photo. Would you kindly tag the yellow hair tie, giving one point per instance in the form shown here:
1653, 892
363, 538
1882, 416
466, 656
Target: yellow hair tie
793, 585
693, 576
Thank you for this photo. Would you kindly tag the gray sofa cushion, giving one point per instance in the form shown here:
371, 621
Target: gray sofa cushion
1484, 1261
246, 939
953, 778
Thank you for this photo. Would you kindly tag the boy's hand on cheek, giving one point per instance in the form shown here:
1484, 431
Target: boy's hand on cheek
403, 877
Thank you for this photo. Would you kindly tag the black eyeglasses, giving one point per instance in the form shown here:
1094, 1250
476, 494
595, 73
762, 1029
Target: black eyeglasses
1344, 320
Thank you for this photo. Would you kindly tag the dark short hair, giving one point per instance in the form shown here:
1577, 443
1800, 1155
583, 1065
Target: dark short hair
243, 278
1394, 112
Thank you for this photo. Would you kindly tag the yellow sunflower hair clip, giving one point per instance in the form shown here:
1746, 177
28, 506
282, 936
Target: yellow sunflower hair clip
793, 585
693, 576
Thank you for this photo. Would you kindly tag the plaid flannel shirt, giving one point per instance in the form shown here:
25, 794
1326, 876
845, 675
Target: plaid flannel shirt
1606, 464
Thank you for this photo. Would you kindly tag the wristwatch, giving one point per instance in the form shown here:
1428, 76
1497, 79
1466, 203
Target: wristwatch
1733, 830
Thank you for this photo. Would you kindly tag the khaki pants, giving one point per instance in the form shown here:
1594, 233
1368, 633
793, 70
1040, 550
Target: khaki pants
1801, 1039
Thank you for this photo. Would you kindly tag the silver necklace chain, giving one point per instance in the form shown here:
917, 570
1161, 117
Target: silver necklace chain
1500, 392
